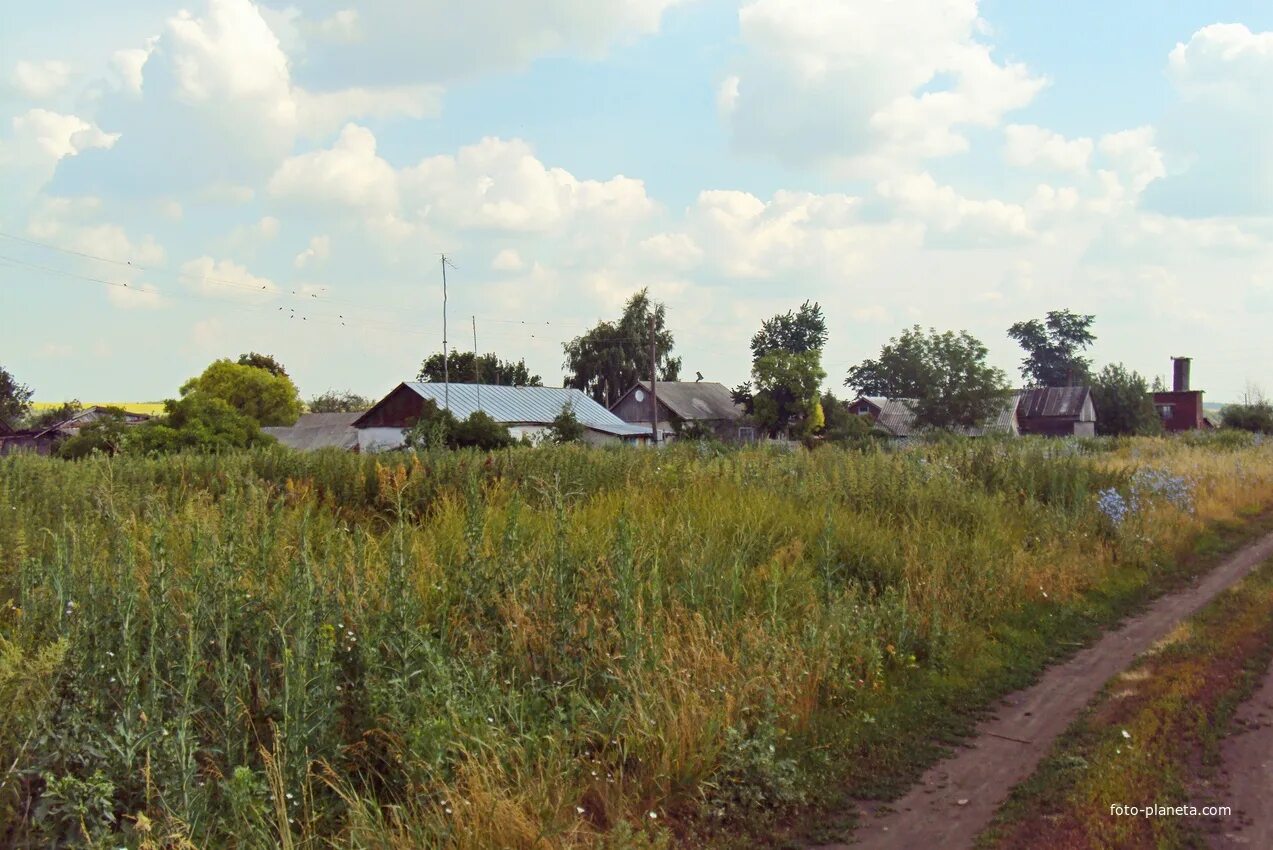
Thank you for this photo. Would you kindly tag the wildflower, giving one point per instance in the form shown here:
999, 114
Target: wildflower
581, 810
654, 816
1126, 734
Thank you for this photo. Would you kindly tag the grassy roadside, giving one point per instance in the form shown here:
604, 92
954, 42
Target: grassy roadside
916, 719
1142, 737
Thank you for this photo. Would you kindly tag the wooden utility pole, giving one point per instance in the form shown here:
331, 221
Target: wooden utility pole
654, 377
477, 371
446, 371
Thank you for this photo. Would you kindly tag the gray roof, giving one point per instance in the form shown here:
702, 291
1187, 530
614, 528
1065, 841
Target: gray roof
897, 417
1066, 402
705, 400
319, 431
527, 405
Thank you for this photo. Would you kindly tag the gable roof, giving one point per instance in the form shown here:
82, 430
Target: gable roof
690, 400
521, 405
897, 417
319, 431
1063, 402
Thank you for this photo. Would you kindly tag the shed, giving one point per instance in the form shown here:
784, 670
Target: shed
896, 417
319, 431
1057, 412
525, 411
705, 402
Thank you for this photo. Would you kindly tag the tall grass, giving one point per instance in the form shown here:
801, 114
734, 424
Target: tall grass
535, 649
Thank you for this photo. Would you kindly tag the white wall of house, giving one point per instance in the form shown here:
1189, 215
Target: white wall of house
379, 439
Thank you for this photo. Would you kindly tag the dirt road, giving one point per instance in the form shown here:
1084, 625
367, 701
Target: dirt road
1246, 775
957, 797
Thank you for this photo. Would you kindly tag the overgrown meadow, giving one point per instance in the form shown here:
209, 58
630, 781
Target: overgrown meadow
550, 648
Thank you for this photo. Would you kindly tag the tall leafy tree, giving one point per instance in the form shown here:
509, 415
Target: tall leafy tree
267, 398
1053, 347
607, 360
335, 401
786, 371
263, 361
946, 375
1123, 403
15, 399
459, 369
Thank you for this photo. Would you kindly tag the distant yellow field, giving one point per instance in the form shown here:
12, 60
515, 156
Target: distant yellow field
152, 408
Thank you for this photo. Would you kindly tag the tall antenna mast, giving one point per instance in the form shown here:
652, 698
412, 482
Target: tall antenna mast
446, 369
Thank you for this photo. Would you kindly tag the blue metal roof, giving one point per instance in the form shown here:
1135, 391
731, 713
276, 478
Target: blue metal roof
526, 405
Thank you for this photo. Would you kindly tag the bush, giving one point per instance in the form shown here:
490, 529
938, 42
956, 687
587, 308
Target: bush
480, 431
1256, 416
566, 428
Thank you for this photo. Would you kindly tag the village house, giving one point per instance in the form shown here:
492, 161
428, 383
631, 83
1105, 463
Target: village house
896, 417
1181, 408
525, 411
1057, 412
681, 403
45, 440
319, 431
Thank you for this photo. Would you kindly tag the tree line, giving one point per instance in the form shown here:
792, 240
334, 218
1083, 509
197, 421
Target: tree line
944, 375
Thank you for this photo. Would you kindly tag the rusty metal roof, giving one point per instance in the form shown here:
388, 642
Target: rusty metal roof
1064, 402
526, 405
691, 400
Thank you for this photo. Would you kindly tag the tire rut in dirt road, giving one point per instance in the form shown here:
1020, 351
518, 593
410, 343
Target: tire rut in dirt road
1246, 775
956, 798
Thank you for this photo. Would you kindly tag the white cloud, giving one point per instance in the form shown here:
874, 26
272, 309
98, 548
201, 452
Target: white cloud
320, 114
225, 279
397, 41
348, 174
1026, 145
673, 250
1217, 135
57, 135
507, 260
958, 219
40, 80
129, 65
500, 185
320, 248
865, 86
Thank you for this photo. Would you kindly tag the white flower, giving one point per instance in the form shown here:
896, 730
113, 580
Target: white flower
653, 816
580, 809
1127, 734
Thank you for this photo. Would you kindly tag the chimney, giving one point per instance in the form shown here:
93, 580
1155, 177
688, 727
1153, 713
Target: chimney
1180, 374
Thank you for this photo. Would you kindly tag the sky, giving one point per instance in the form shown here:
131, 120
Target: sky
180, 183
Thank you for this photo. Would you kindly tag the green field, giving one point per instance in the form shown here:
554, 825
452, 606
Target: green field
550, 648
151, 408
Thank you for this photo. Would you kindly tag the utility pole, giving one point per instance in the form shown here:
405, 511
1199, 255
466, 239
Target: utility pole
446, 370
654, 377
477, 371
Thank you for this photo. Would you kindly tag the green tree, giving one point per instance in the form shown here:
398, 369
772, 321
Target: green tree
263, 361
1052, 348
480, 431
432, 429
268, 398
333, 401
1123, 403
15, 399
489, 370
107, 434
566, 427
946, 375
1253, 414
607, 360
196, 422
786, 371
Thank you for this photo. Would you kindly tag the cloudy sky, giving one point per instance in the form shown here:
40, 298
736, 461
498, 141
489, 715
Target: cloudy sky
179, 183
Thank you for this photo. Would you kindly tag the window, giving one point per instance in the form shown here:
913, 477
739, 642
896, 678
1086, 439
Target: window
1164, 410
747, 435
864, 409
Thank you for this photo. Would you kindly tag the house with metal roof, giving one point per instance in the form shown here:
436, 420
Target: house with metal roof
1057, 412
319, 431
706, 403
896, 417
525, 411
